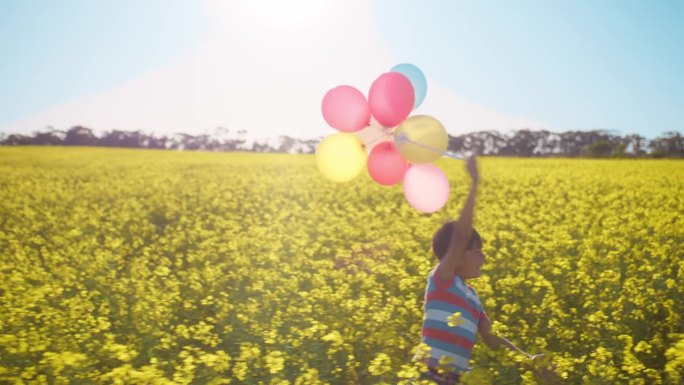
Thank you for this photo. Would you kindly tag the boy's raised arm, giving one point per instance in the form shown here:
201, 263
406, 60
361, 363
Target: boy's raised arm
463, 229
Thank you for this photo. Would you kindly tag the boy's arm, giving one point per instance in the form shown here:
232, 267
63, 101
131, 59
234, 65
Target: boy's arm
463, 229
493, 341
538, 362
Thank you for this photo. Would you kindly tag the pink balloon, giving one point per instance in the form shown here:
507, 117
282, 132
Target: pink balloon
346, 109
391, 98
386, 165
426, 188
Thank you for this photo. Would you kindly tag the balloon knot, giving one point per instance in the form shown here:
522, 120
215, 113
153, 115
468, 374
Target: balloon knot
401, 138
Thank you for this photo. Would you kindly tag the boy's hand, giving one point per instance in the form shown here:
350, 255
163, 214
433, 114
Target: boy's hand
471, 166
544, 369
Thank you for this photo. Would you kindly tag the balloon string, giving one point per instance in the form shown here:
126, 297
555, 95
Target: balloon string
384, 134
403, 138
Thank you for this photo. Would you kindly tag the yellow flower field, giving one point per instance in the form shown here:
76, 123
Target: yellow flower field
158, 267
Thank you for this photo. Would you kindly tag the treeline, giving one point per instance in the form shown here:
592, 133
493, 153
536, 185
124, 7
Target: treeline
595, 144
523, 143
83, 136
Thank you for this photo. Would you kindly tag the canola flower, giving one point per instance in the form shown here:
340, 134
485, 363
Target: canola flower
455, 319
158, 267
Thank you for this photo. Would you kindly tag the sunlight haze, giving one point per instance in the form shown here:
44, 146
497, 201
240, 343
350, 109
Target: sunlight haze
264, 66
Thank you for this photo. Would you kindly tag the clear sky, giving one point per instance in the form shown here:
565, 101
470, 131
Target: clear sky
583, 64
614, 64
53, 51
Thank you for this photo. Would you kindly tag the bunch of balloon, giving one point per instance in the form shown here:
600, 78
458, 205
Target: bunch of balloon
378, 133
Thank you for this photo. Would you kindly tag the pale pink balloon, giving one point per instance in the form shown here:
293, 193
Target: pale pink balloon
346, 109
391, 98
426, 188
386, 165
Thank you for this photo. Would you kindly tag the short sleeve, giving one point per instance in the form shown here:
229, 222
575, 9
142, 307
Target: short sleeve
441, 284
482, 314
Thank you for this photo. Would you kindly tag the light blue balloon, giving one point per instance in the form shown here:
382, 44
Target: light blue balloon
417, 79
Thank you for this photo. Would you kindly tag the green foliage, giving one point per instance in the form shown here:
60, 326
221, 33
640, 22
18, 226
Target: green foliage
600, 149
157, 267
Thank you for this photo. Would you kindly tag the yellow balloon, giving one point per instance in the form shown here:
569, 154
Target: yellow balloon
427, 139
340, 157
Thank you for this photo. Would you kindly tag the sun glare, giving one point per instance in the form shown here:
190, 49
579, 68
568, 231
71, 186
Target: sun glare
277, 14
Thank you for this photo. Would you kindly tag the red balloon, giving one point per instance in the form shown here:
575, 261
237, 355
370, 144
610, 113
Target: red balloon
346, 109
386, 165
391, 98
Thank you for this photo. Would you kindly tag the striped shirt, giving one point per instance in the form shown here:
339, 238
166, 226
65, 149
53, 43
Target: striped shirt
442, 300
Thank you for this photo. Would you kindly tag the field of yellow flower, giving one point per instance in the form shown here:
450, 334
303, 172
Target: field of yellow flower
158, 267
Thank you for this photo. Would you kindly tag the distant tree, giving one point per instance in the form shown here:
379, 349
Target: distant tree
232, 144
634, 145
620, 150
491, 141
600, 149
572, 142
480, 143
189, 142
670, 145
119, 138
522, 143
154, 142
80, 136
47, 138
50, 138
208, 143
548, 143
185, 141
17, 140
472, 143
309, 146
455, 143
576, 143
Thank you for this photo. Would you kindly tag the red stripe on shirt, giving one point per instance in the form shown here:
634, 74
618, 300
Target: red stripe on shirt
445, 336
453, 299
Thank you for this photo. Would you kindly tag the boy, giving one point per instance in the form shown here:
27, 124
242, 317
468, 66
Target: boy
453, 312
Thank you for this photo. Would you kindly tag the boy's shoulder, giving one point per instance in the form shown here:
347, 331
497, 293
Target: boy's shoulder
473, 294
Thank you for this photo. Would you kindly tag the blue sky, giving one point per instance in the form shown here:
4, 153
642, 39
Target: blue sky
572, 64
615, 64
55, 51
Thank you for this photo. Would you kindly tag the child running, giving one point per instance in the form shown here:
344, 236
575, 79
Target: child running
453, 311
